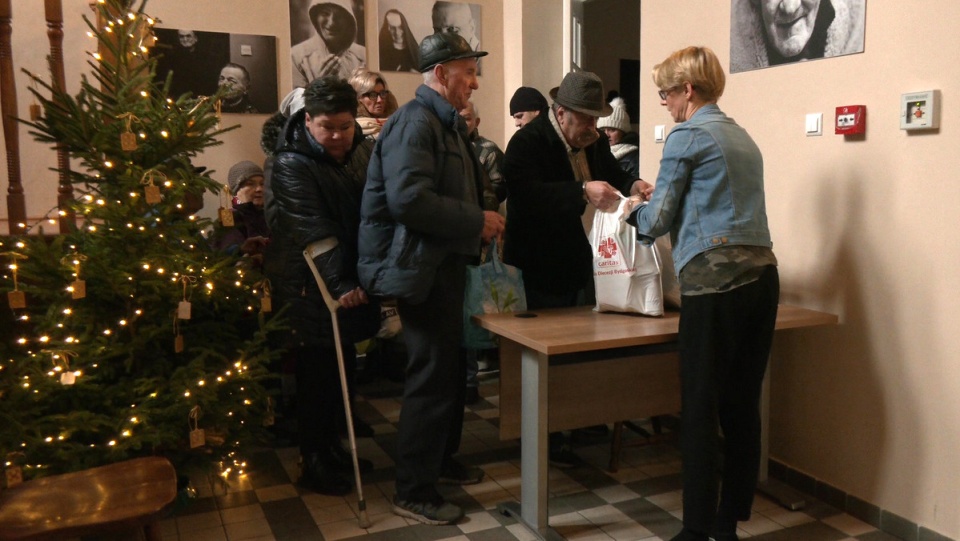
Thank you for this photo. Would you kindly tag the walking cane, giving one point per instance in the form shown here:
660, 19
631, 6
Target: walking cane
313, 250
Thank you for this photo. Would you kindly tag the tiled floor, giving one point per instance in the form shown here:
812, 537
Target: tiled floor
639, 502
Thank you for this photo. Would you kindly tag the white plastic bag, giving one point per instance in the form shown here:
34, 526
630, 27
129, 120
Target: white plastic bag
625, 272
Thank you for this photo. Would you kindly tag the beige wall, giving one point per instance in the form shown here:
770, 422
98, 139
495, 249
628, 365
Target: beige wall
263, 17
866, 229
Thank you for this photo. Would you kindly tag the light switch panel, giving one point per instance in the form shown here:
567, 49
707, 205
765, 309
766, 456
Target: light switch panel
814, 125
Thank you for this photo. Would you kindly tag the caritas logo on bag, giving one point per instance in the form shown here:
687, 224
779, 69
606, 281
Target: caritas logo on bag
608, 250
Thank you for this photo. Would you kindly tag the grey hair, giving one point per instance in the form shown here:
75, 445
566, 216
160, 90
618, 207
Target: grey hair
429, 78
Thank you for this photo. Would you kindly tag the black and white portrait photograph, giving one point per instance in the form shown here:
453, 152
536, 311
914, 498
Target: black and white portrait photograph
774, 32
404, 23
202, 62
326, 38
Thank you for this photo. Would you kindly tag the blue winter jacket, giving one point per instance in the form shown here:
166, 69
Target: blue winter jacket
417, 207
709, 190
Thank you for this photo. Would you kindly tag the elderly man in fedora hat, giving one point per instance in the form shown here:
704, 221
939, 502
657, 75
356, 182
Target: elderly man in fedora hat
421, 222
554, 167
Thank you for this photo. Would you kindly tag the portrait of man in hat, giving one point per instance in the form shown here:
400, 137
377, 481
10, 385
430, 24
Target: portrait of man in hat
559, 169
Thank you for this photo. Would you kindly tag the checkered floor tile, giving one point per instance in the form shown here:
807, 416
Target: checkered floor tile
641, 501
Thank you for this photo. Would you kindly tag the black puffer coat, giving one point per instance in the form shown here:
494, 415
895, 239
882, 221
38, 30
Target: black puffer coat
310, 197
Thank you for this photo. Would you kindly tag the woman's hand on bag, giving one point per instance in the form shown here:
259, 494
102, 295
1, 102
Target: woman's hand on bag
633, 202
353, 298
642, 188
601, 194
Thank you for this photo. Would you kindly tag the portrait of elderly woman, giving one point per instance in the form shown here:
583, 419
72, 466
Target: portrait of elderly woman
399, 49
330, 46
403, 23
772, 32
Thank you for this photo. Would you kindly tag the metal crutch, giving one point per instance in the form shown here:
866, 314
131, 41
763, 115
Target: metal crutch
313, 250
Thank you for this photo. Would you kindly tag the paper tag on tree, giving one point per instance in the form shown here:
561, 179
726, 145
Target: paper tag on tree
14, 476
226, 217
16, 299
78, 289
151, 194
178, 344
128, 141
67, 377
35, 111
197, 438
266, 305
183, 310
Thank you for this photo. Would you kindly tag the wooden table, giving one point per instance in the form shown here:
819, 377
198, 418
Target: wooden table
110, 499
600, 368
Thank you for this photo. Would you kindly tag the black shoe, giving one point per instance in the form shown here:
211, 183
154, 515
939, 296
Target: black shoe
322, 478
687, 535
455, 473
342, 461
472, 396
434, 512
563, 457
725, 537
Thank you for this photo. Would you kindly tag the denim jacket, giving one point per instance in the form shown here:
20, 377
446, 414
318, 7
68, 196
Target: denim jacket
709, 190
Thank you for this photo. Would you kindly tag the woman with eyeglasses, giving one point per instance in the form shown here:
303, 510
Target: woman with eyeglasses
709, 197
375, 103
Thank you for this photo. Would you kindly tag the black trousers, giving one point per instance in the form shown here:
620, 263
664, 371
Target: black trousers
320, 411
724, 341
431, 417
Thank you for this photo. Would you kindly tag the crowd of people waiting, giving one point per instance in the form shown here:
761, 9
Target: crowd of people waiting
404, 197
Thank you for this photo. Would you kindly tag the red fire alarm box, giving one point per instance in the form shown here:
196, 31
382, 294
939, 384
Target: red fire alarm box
851, 119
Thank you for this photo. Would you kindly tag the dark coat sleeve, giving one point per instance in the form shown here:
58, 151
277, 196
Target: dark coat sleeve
302, 212
539, 176
413, 195
605, 166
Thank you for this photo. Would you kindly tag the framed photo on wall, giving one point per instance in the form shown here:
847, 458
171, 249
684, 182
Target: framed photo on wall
327, 37
203, 61
404, 23
772, 32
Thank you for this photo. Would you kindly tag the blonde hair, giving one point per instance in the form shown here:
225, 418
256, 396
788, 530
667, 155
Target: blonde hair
698, 66
363, 80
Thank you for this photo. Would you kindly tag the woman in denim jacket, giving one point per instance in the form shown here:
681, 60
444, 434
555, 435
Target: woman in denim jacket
709, 197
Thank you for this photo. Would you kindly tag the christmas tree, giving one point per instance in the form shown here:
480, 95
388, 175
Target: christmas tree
129, 336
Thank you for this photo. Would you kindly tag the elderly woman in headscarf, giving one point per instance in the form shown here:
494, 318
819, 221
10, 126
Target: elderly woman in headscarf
375, 102
399, 50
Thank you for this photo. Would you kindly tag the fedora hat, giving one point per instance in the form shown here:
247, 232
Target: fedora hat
444, 47
582, 91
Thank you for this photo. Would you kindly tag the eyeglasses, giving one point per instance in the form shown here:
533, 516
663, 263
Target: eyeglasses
372, 96
664, 93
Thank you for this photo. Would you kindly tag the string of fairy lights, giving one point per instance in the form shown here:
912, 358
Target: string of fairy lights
59, 353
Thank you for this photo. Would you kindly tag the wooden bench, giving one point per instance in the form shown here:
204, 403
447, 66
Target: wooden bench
118, 497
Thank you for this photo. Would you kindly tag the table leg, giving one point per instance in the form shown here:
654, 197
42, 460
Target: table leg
532, 510
771, 488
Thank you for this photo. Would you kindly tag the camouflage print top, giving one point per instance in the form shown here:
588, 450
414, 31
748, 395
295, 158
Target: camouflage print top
724, 268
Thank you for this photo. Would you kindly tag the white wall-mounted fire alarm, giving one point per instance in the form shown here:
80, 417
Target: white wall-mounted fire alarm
920, 110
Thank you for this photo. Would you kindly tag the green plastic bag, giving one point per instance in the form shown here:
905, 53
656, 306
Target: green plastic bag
492, 287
